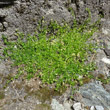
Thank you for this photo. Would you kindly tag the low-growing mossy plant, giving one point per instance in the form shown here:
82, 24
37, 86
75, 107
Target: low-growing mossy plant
103, 79
55, 54
43, 107
2, 95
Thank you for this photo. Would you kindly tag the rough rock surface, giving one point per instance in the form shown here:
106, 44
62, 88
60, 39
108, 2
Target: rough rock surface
23, 15
94, 94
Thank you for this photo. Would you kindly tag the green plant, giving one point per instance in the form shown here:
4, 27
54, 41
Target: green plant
55, 54
103, 79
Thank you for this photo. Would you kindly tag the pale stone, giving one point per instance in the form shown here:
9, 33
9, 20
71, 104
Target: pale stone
106, 60
1, 27
56, 105
77, 106
104, 31
5, 24
99, 107
67, 106
92, 108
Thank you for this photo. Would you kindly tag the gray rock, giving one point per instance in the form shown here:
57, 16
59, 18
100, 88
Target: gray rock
106, 31
56, 105
99, 107
67, 106
25, 14
15, 99
77, 106
106, 26
101, 66
92, 108
1, 27
3, 13
107, 47
94, 94
107, 51
2, 67
107, 87
5, 24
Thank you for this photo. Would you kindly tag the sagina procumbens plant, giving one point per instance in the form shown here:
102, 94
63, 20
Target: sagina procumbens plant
55, 53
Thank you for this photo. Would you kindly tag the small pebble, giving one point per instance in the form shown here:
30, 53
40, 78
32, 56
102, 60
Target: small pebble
106, 60
99, 107
1, 27
77, 106
92, 108
67, 106
5, 24
104, 31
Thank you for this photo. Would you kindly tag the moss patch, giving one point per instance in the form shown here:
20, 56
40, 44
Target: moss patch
43, 107
2, 95
45, 94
